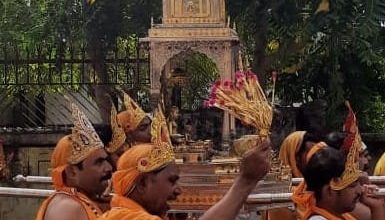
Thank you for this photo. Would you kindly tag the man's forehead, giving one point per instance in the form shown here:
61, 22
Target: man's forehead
172, 169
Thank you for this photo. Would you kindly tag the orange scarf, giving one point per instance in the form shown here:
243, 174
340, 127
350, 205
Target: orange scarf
305, 199
289, 148
92, 210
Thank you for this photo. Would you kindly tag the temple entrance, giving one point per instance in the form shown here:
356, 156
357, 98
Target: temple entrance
186, 79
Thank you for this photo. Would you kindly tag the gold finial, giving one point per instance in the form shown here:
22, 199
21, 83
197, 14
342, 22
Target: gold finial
118, 135
162, 152
84, 137
352, 143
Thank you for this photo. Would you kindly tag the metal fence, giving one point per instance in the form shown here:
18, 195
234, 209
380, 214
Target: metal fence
33, 80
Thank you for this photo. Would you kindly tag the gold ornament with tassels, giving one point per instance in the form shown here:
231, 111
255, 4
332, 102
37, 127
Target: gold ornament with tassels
84, 138
245, 100
162, 152
118, 135
353, 145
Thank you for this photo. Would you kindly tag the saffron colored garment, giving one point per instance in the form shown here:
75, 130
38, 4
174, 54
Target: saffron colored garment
379, 170
289, 148
306, 199
91, 209
126, 209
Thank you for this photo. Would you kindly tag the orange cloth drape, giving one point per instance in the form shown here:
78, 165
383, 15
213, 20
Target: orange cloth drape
379, 170
91, 209
124, 178
59, 161
289, 149
126, 209
306, 199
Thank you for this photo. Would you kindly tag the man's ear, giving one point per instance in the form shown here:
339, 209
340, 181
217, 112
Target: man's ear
71, 171
327, 191
142, 182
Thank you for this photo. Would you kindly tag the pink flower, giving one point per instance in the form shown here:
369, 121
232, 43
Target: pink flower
239, 75
213, 89
218, 83
211, 102
227, 83
274, 75
240, 84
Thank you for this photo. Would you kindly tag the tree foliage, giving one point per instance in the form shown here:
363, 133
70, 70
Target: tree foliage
335, 54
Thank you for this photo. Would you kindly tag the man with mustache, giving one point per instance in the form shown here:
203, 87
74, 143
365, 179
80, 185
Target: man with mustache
80, 174
147, 179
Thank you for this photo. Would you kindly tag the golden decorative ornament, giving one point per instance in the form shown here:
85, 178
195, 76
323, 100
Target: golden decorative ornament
162, 152
118, 135
353, 144
84, 138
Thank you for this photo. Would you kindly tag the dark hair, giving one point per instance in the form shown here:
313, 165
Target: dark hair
105, 133
312, 137
311, 117
335, 139
324, 165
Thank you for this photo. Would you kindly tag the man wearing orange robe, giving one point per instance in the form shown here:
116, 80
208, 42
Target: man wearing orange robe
147, 179
80, 174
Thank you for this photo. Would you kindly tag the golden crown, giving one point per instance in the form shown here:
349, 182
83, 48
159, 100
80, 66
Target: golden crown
118, 135
134, 111
353, 144
84, 138
162, 152
244, 99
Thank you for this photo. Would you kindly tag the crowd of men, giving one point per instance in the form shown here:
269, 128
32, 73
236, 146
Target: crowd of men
137, 164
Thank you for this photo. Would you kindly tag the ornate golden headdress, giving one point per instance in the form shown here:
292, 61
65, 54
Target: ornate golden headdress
84, 138
353, 144
162, 152
118, 135
133, 114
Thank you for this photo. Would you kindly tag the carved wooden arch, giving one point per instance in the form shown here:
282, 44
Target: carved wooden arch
163, 52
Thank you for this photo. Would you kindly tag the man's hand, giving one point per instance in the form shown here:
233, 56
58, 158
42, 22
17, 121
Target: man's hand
369, 198
255, 162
